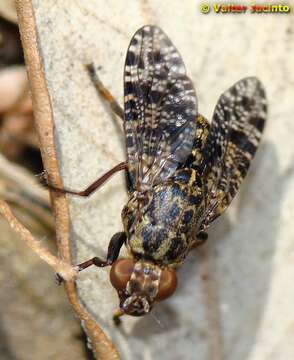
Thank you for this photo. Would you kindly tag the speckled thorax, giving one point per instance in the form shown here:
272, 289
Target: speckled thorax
166, 227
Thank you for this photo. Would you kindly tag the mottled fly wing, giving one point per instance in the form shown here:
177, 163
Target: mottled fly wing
160, 108
235, 132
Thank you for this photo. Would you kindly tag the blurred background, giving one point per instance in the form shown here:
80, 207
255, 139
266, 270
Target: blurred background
36, 321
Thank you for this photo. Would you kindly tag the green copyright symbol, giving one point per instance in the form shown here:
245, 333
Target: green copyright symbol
204, 8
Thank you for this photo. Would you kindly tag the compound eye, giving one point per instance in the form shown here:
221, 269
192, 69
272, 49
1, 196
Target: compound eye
120, 273
167, 284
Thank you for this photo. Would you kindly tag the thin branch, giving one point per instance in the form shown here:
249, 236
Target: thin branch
100, 342
65, 270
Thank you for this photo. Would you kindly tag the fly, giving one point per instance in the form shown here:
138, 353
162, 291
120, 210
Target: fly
182, 172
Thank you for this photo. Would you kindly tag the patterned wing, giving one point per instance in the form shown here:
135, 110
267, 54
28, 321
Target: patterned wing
235, 132
160, 108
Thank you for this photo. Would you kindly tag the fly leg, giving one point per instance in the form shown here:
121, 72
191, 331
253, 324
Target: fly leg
116, 317
114, 247
104, 92
201, 238
96, 184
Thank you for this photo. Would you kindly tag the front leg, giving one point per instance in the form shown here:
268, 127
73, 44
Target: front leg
114, 247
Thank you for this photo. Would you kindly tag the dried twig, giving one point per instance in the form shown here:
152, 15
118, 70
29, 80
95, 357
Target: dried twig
65, 270
19, 187
101, 344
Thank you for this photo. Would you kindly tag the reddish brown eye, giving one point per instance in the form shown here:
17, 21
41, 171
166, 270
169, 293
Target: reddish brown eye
167, 284
120, 273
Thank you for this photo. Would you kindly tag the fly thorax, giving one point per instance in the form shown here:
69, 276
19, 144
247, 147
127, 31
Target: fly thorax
134, 211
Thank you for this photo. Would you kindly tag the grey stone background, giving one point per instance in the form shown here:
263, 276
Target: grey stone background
235, 296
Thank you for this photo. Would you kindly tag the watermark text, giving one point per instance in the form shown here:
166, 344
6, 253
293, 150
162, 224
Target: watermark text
220, 8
